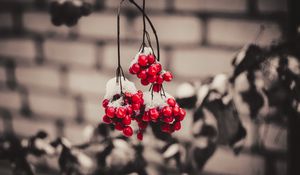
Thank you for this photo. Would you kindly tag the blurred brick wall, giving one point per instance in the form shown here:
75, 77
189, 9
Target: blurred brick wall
55, 76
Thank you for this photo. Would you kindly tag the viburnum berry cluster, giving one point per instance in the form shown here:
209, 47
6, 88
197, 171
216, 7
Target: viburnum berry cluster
124, 104
149, 70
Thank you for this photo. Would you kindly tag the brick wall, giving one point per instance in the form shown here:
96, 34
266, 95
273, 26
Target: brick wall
50, 74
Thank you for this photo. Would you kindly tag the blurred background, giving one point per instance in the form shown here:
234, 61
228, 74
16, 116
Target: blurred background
53, 78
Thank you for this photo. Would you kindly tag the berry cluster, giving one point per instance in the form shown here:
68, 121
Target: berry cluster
122, 109
149, 70
68, 12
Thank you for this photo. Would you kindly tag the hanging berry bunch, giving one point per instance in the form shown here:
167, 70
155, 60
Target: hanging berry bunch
123, 103
68, 12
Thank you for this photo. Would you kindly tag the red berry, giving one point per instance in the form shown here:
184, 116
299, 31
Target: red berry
146, 117
182, 114
168, 76
144, 82
127, 131
110, 112
143, 61
140, 135
171, 102
167, 111
153, 113
129, 110
151, 59
119, 126
126, 120
121, 112
106, 119
131, 71
105, 103
159, 79
142, 75
156, 87
152, 70
177, 126
136, 98
142, 125
158, 66
176, 110
135, 68
136, 106
165, 127
151, 79
168, 119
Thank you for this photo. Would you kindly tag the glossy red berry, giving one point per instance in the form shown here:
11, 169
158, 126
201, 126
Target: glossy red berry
142, 60
146, 117
152, 70
176, 110
153, 113
110, 112
156, 87
168, 76
119, 126
177, 126
182, 114
158, 66
136, 106
144, 82
159, 79
129, 110
135, 68
106, 119
142, 74
151, 58
126, 120
171, 102
167, 111
139, 135
127, 131
105, 103
168, 119
136, 98
151, 79
121, 112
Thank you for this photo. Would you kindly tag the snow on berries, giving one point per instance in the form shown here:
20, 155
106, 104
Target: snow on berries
148, 69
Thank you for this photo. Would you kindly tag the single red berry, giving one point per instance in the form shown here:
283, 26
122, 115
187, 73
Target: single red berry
106, 119
142, 75
176, 126
182, 114
110, 112
140, 135
143, 61
152, 70
158, 66
171, 102
144, 82
153, 113
142, 125
146, 117
135, 68
136, 106
168, 76
136, 98
176, 110
119, 126
165, 127
159, 79
131, 71
151, 79
127, 131
156, 87
121, 112
105, 103
129, 110
167, 111
126, 120
151, 58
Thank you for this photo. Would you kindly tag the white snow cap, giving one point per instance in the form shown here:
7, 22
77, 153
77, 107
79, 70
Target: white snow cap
185, 90
220, 83
113, 88
157, 101
147, 51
